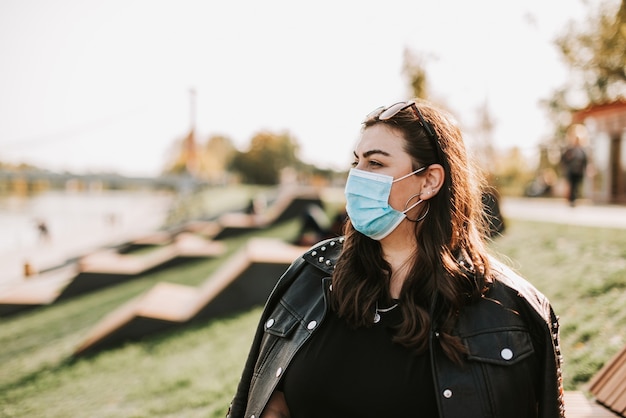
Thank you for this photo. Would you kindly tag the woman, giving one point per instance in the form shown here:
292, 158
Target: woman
407, 315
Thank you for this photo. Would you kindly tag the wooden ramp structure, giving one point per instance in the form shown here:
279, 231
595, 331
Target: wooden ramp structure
109, 267
608, 386
290, 203
243, 281
103, 268
40, 289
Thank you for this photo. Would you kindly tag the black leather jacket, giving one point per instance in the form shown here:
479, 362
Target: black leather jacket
512, 369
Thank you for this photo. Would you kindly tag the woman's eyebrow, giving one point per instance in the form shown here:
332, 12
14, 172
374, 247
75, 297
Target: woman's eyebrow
373, 152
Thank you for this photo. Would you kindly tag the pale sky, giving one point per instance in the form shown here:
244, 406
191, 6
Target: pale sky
89, 86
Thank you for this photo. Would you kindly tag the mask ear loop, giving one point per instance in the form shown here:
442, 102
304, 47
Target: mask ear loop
421, 218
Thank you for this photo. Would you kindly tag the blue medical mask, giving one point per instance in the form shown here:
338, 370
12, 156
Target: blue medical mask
367, 203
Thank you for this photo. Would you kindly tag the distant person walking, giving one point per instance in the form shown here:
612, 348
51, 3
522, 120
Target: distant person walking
44, 232
574, 160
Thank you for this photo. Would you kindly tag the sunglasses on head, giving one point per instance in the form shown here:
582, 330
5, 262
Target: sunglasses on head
385, 113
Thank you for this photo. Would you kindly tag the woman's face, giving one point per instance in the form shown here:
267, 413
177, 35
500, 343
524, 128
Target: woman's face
381, 150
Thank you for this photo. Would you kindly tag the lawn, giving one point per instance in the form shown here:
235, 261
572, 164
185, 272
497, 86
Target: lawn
192, 371
582, 270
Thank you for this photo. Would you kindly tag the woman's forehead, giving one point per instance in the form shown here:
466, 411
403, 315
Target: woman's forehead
382, 138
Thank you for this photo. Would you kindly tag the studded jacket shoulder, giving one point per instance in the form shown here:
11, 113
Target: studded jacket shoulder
512, 367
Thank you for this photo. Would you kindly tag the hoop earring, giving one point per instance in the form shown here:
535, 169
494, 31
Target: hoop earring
421, 218
406, 205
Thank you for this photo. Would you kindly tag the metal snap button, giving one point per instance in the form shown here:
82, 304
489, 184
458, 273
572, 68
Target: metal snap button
269, 323
311, 325
506, 354
447, 393
279, 371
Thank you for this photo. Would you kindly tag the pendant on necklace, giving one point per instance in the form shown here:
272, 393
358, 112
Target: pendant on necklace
377, 314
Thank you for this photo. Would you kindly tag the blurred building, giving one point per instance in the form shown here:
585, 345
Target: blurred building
606, 124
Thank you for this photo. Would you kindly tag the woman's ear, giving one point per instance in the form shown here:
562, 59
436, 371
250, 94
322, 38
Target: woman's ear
433, 181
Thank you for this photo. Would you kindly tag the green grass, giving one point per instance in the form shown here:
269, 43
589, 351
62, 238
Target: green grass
192, 371
188, 372
582, 270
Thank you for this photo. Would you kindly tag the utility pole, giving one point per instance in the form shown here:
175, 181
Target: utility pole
192, 109
190, 142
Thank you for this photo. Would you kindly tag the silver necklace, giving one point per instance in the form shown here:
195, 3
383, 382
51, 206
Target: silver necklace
383, 310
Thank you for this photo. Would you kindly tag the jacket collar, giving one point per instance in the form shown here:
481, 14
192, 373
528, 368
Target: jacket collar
324, 255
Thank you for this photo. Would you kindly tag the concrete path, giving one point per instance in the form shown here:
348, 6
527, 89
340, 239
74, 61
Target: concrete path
558, 210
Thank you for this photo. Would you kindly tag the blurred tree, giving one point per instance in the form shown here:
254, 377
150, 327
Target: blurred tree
414, 68
597, 53
215, 158
595, 50
178, 157
506, 172
483, 136
268, 155
511, 172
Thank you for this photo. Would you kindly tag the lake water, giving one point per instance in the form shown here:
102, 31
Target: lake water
77, 222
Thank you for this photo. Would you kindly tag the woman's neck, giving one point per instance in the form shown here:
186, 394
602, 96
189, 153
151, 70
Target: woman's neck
398, 250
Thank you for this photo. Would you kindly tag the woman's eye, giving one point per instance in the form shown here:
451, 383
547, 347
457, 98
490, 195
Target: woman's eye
369, 163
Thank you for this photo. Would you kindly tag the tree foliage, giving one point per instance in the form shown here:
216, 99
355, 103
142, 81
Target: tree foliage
268, 155
215, 157
414, 68
180, 156
206, 161
595, 51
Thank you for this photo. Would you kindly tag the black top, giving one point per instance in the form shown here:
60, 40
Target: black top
343, 372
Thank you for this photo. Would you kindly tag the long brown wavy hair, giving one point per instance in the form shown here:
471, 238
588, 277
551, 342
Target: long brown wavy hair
450, 266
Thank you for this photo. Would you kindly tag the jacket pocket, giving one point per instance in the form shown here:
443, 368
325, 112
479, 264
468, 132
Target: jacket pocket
502, 347
281, 323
